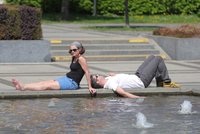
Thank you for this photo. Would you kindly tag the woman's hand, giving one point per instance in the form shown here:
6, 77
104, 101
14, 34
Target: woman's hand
93, 92
111, 74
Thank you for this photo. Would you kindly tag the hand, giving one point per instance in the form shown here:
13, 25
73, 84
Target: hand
142, 97
111, 74
93, 92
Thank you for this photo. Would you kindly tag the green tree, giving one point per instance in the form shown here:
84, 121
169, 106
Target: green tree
33, 3
65, 9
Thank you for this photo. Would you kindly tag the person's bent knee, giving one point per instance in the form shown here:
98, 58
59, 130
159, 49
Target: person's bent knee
159, 58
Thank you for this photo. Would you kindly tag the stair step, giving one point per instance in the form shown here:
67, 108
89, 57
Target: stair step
105, 41
106, 57
96, 41
108, 52
105, 46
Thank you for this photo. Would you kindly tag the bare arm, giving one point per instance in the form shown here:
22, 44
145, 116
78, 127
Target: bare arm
83, 64
111, 74
123, 93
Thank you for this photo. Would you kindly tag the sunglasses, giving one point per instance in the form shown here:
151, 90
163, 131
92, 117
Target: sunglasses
74, 50
96, 76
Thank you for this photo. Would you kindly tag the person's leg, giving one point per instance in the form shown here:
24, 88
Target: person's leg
145, 63
153, 66
45, 85
162, 73
67, 83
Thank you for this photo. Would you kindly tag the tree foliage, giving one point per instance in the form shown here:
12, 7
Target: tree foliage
33, 3
116, 7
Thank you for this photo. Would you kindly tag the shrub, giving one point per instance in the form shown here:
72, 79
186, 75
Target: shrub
116, 7
148, 7
30, 23
187, 6
184, 31
3, 18
32, 3
51, 6
198, 14
20, 22
137, 7
107, 7
9, 27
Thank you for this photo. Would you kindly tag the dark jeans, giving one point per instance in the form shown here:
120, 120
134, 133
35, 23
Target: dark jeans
153, 66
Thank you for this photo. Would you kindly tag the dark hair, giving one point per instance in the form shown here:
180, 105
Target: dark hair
82, 50
79, 46
94, 83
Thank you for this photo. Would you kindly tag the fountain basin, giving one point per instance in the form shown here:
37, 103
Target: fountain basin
100, 93
99, 115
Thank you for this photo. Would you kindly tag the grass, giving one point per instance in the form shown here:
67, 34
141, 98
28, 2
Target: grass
120, 28
56, 18
189, 19
153, 19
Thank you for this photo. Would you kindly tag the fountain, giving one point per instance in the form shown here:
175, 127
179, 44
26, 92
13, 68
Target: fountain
142, 121
101, 115
51, 103
186, 107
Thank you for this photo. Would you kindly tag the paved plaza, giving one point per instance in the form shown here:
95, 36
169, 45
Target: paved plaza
185, 73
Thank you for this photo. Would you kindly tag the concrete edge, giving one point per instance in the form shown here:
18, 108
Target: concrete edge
84, 93
68, 58
178, 48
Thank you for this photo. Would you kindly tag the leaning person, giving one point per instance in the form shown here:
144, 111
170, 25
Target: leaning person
153, 66
72, 79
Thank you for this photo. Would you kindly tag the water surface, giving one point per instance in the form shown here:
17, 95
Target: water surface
98, 115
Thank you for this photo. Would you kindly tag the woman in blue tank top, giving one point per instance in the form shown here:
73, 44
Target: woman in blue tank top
78, 68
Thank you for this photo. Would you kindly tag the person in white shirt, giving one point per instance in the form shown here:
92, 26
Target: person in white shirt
153, 66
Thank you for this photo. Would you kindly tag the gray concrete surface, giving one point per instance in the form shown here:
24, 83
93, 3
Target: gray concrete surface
24, 51
186, 73
71, 32
179, 48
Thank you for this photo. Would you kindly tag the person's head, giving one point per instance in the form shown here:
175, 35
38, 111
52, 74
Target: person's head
96, 81
76, 49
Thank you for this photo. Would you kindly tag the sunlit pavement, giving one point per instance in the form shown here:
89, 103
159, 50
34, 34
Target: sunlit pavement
185, 73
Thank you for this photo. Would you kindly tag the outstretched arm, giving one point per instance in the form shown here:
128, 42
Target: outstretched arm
123, 93
111, 74
83, 64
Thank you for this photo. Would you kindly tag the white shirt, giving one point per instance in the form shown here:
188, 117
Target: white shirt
123, 81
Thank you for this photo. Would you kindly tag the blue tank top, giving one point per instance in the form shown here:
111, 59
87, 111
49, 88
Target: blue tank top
76, 72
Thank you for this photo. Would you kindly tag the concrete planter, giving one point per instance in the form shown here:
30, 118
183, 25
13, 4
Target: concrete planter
24, 51
180, 48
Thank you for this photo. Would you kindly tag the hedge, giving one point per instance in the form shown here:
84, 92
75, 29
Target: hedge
116, 7
148, 7
184, 31
20, 22
140, 7
32, 3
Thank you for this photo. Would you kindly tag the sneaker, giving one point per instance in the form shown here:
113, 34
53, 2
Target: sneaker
171, 85
159, 84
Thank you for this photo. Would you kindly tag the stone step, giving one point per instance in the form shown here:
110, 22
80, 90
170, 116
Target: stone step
104, 40
107, 58
108, 49
106, 46
108, 52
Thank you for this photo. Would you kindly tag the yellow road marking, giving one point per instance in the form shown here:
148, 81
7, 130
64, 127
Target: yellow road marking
139, 40
56, 41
